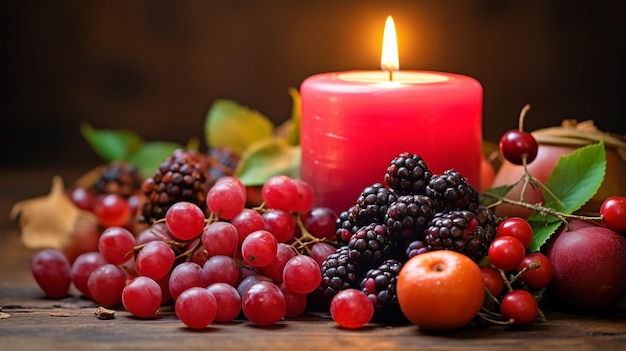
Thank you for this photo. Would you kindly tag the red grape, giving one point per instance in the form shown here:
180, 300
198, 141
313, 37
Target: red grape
302, 274
246, 222
227, 299
295, 303
82, 198
275, 269
52, 272
247, 281
280, 192
112, 210
220, 269
82, 268
280, 223
106, 284
196, 307
306, 197
351, 308
185, 220
226, 198
155, 260
116, 245
220, 238
259, 248
320, 251
321, 222
141, 297
263, 303
184, 276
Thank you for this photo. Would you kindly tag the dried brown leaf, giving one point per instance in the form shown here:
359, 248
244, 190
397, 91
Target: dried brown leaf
4, 315
47, 221
104, 313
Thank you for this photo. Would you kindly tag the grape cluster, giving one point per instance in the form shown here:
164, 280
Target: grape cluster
413, 212
257, 263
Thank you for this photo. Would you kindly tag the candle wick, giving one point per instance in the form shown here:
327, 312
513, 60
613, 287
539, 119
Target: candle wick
390, 74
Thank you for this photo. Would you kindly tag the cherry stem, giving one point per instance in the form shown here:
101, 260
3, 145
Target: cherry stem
522, 115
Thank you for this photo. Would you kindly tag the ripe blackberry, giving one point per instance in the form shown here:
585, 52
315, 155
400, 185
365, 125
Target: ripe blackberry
408, 217
120, 178
339, 272
415, 248
408, 174
370, 245
346, 226
379, 284
458, 231
451, 192
180, 177
372, 204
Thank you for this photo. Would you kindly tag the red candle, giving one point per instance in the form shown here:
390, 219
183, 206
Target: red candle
354, 123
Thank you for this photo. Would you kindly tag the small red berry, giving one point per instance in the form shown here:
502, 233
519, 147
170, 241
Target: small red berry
518, 228
613, 212
516, 144
520, 306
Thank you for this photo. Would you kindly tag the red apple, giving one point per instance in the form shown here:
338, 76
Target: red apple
589, 267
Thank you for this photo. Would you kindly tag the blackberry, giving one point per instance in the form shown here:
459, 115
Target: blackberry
415, 248
180, 177
346, 226
459, 231
339, 272
370, 245
372, 204
120, 178
408, 174
408, 217
451, 192
379, 284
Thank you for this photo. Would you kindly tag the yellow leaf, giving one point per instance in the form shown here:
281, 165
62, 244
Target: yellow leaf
47, 221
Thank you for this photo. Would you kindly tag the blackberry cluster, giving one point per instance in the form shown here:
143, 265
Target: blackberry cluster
451, 191
370, 245
120, 178
370, 207
380, 286
408, 217
180, 177
413, 212
372, 204
339, 272
408, 174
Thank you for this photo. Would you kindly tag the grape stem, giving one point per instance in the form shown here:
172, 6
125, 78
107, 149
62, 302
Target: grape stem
303, 243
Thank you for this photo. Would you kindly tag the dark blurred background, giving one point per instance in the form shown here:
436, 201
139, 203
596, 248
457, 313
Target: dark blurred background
156, 66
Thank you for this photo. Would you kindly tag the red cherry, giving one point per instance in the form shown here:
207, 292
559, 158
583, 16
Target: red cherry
613, 211
516, 144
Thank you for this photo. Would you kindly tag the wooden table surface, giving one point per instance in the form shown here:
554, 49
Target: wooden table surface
32, 322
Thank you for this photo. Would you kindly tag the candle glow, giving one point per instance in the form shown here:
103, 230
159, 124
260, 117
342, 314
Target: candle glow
389, 60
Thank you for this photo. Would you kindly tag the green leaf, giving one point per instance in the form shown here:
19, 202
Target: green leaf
268, 158
231, 125
111, 145
148, 157
574, 180
500, 191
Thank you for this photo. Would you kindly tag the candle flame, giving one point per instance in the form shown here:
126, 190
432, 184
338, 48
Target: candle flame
389, 59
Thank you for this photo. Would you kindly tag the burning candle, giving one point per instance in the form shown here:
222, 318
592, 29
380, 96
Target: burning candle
355, 122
